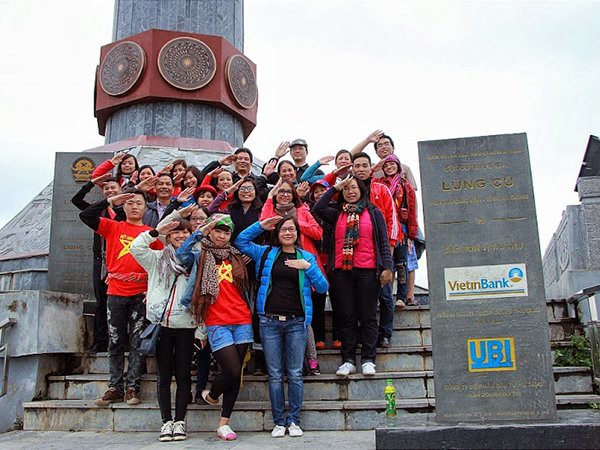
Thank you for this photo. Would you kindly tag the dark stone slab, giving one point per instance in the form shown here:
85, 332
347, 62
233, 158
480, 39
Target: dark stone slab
70, 259
572, 430
490, 337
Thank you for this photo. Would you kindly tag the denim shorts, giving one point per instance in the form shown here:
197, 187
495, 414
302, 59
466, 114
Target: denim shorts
220, 336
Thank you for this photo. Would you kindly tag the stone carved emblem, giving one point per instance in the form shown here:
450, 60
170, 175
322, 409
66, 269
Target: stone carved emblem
562, 246
187, 63
241, 81
82, 169
122, 68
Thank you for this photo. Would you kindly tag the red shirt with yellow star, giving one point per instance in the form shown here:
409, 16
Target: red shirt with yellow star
119, 261
230, 307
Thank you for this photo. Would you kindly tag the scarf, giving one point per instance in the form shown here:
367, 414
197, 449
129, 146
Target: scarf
394, 181
286, 211
206, 287
354, 211
169, 263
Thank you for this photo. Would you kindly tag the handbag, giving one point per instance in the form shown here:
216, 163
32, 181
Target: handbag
149, 337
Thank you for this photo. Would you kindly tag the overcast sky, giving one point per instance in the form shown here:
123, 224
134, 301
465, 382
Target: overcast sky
331, 71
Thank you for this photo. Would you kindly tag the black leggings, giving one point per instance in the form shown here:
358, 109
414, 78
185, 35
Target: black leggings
174, 352
230, 360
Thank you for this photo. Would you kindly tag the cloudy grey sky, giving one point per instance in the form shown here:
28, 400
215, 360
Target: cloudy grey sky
331, 71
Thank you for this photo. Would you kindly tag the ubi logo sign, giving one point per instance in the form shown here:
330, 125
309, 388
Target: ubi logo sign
491, 354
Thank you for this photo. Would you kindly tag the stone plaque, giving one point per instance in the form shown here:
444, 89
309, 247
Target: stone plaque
241, 81
70, 260
490, 338
187, 63
122, 67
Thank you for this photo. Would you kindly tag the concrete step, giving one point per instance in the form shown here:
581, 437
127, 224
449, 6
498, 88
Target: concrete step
83, 415
325, 387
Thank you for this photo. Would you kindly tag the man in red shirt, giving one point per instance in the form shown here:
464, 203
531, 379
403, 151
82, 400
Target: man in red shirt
127, 283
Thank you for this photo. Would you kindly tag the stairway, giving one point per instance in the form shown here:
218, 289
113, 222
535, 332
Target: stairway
330, 402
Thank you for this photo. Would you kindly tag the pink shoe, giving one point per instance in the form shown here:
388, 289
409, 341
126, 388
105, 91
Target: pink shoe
225, 433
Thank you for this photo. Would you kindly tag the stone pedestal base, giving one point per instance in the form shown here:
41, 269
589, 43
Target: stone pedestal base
573, 430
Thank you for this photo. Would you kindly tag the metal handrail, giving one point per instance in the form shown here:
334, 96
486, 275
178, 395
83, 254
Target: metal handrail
4, 326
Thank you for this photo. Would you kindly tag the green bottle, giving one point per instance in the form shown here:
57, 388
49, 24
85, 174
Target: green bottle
390, 399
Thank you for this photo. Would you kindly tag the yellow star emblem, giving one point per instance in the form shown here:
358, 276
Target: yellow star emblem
126, 243
225, 272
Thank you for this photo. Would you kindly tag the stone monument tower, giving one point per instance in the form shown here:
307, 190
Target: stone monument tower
173, 84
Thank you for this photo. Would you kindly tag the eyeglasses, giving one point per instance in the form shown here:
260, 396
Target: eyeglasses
284, 192
246, 189
284, 230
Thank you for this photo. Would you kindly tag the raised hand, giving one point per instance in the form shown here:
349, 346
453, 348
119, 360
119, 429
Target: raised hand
282, 149
166, 169
177, 179
166, 228
234, 187
99, 181
215, 172
342, 170
118, 157
326, 160
375, 136
134, 177
118, 200
185, 195
228, 160
188, 210
340, 184
302, 189
147, 184
270, 223
300, 264
379, 166
273, 192
270, 168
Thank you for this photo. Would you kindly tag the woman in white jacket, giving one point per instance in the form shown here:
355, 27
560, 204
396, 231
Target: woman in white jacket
167, 281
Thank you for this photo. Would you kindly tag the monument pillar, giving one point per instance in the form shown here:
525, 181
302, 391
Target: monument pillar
151, 106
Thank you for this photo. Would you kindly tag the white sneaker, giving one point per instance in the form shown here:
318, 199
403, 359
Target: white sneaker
295, 430
278, 431
346, 369
368, 368
179, 433
166, 432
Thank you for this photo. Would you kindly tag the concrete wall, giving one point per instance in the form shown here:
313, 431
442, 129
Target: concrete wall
572, 260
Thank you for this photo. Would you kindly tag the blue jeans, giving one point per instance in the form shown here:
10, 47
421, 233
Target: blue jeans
386, 312
283, 345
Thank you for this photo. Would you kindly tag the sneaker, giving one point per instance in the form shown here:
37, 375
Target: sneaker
313, 367
278, 431
210, 402
320, 345
179, 433
400, 304
166, 432
337, 344
113, 395
132, 397
346, 369
368, 368
225, 433
295, 430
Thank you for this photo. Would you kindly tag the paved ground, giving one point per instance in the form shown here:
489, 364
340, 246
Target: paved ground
87, 440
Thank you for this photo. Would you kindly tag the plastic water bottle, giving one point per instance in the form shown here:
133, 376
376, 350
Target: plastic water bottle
390, 399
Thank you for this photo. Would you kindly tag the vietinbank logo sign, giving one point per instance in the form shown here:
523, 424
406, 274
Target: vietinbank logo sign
482, 282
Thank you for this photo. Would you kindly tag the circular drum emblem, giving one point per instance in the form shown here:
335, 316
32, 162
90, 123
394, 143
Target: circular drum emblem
82, 169
241, 81
121, 68
187, 63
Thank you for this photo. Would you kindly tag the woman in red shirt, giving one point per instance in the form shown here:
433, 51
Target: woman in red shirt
220, 300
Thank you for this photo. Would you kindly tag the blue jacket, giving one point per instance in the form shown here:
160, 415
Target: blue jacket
312, 277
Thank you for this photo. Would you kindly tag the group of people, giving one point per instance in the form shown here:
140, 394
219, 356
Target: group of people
225, 259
